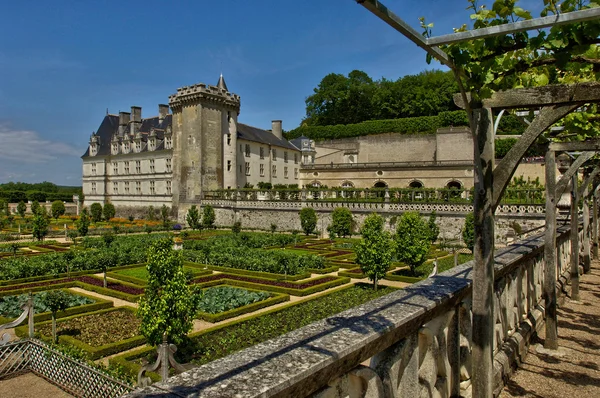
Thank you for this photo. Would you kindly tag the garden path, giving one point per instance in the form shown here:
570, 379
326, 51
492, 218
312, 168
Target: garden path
116, 302
29, 385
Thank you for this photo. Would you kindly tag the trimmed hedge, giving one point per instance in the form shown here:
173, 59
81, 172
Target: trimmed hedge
331, 268
354, 275
259, 274
275, 298
99, 304
400, 278
92, 352
126, 278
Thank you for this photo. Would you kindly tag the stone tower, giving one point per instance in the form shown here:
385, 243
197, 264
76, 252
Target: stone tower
204, 140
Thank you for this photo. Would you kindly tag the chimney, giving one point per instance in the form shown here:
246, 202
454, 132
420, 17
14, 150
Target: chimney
276, 129
123, 122
136, 119
163, 111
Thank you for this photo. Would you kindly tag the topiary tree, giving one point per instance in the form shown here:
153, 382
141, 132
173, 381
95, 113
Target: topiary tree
413, 240
109, 211
55, 301
41, 222
374, 251
208, 217
434, 230
193, 218
151, 213
35, 206
273, 228
308, 220
164, 215
237, 227
468, 231
21, 209
341, 222
168, 305
83, 223
57, 209
96, 212
106, 260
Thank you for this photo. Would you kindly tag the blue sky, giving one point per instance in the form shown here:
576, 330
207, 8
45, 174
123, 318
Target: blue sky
63, 63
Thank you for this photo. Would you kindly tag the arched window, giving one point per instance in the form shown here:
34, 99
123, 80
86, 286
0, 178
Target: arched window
346, 192
415, 184
380, 184
454, 185
455, 189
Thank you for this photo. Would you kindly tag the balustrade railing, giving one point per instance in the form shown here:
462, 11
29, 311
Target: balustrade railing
416, 341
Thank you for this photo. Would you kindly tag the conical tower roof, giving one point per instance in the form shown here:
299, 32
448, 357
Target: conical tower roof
221, 83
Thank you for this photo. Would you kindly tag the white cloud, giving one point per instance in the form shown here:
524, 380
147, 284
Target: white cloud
29, 147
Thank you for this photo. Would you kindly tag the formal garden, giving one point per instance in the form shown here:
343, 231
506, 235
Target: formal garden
109, 299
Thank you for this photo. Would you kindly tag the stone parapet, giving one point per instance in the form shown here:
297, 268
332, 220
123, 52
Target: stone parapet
203, 93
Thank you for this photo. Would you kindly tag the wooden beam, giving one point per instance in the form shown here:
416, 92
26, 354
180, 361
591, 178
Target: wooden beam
562, 184
530, 24
588, 180
553, 94
576, 146
549, 293
387, 16
505, 169
574, 240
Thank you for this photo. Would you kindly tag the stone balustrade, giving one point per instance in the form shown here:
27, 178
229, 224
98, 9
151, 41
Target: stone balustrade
413, 342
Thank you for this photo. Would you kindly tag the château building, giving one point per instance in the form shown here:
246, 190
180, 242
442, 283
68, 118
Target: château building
168, 159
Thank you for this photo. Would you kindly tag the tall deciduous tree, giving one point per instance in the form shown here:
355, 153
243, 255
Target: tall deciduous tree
374, 251
413, 240
308, 220
58, 209
193, 218
21, 209
168, 305
35, 206
341, 222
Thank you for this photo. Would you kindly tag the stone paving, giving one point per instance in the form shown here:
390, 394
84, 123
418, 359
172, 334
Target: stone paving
575, 370
29, 385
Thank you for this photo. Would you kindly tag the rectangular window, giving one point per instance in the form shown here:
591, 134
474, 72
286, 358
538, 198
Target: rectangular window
152, 188
295, 158
262, 152
138, 167
93, 168
115, 188
229, 165
295, 173
115, 149
115, 168
138, 146
93, 187
168, 162
247, 168
127, 187
285, 156
126, 167
151, 165
168, 142
168, 187
285, 172
274, 154
228, 139
138, 187
247, 150
262, 170
274, 173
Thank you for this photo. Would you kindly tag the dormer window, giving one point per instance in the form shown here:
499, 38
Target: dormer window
138, 146
168, 142
115, 148
152, 144
126, 147
93, 149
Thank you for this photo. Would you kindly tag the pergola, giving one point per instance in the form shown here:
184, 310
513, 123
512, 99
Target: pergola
554, 102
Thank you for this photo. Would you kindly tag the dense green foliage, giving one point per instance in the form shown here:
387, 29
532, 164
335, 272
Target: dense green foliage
308, 220
10, 306
21, 208
503, 145
216, 344
35, 207
225, 298
109, 211
15, 192
164, 216
96, 212
167, 307
374, 251
413, 240
434, 230
55, 301
193, 218
83, 223
236, 228
208, 217
58, 209
341, 222
40, 224
468, 231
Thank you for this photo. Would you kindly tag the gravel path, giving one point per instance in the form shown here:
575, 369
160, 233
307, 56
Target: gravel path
577, 372
29, 385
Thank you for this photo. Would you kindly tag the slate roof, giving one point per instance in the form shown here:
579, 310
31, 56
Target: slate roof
297, 142
255, 134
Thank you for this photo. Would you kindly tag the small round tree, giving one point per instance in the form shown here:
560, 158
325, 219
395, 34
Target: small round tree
57, 209
413, 240
55, 301
83, 223
468, 231
164, 215
434, 230
237, 227
193, 218
40, 224
374, 251
109, 211
168, 305
341, 222
21, 209
96, 212
208, 217
308, 220
35, 207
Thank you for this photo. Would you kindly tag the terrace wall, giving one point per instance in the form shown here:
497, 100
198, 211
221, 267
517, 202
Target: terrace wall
417, 341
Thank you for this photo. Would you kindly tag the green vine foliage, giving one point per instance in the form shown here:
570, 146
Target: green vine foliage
563, 54
168, 305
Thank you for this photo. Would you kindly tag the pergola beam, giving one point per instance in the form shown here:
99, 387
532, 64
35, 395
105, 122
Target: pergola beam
530, 24
562, 184
384, 13
588, 180
576, 146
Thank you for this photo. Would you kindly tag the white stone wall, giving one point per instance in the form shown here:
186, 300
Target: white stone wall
252, 157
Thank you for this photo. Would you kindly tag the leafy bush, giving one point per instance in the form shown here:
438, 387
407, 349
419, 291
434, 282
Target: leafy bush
225, 298
109, 211
237, 227
96, 212
208, 217
468, 231
341, 222
412, 240
57, 209
308, 220
193, 218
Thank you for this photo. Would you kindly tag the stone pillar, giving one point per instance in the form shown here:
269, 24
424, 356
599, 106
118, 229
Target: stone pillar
551, 341
483, 270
